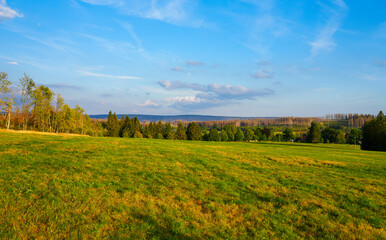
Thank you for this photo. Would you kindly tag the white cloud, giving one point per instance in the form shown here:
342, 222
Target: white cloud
186, 99
6, 12
335, 14
13, 63
104, 2
216, 91
92, 74
178, 85
147, 103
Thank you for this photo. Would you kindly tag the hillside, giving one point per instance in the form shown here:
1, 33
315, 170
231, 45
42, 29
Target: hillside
66, 186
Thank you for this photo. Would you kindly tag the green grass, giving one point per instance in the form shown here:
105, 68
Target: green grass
81, 187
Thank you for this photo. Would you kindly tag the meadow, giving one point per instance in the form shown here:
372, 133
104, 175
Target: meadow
74, 187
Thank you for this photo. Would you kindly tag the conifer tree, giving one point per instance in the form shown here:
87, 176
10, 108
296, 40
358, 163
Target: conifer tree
239, 135
374, 134
112, 125
314, 135
136, 127
168, 131
193, 132
180, 133
214, 136
224, 136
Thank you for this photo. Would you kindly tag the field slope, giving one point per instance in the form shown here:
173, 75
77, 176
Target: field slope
77, 187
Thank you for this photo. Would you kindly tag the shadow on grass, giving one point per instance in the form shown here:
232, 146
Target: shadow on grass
158, 231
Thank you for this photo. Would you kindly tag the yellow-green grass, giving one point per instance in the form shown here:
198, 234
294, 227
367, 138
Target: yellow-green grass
68, 187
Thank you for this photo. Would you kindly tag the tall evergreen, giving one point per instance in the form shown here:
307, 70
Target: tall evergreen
239, 136
314, 135
136, 127
374, 134
224, 136
112, 125
126, 127
168, 131
231, 131
180, 133
193, 131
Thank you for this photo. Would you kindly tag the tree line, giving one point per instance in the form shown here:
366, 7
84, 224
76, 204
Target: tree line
372, 136
30, 106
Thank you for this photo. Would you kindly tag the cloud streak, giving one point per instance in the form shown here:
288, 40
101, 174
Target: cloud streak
63, 86
335, 14
176, 12
101, 75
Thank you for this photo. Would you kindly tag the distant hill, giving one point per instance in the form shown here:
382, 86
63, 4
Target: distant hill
170, 118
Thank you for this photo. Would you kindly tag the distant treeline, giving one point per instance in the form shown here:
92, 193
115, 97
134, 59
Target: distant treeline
40, 109
345, 120
317, 133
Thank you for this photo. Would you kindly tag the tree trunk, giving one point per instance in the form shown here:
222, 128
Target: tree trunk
9, 120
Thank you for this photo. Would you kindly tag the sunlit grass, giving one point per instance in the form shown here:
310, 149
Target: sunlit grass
75, 187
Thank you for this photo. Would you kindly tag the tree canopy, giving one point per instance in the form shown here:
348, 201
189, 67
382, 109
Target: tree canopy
374, 133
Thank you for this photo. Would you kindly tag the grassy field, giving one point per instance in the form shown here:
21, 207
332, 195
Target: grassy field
80, 187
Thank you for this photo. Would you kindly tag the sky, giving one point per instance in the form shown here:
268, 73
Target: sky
250, 58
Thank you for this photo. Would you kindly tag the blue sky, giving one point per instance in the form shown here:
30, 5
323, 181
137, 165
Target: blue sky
218, 57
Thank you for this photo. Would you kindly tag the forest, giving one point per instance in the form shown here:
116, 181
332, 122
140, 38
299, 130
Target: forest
29, 106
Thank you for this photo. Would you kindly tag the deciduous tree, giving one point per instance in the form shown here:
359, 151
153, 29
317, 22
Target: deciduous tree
248, 134
288, 135
26, 86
